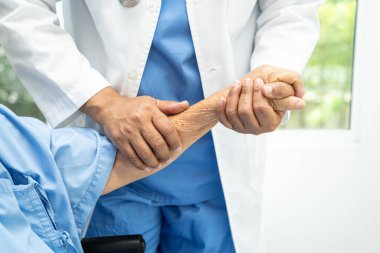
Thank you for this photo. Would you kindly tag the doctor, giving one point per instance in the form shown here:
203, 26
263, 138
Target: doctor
166, 50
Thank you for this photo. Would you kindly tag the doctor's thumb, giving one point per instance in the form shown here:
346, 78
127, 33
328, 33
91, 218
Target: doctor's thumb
172, 107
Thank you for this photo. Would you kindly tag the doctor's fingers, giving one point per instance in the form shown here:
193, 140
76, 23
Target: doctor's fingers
163, 125
278, 90
232, 105
172, 107
287, 104
157, 142
268, 119
129, 153
144, 152
289, 77
245, 109
221, 113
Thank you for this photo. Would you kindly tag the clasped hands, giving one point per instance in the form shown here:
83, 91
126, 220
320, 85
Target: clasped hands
253, 107
150, 133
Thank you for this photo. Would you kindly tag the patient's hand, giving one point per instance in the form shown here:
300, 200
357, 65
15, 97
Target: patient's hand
191, 125
254, 108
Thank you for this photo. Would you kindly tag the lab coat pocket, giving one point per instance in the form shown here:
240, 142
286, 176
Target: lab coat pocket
238, 13
34, 203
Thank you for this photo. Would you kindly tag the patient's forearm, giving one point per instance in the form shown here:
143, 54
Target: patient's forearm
191, 125
196, 121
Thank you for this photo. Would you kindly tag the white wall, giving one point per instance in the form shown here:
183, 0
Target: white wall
322, 192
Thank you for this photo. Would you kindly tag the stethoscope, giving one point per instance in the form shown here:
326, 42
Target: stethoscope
129, 3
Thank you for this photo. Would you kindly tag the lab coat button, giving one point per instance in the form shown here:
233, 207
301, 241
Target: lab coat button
152, 5
129, 3
132, 75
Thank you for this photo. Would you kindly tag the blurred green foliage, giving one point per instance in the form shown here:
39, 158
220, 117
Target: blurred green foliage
12, 92
328, 76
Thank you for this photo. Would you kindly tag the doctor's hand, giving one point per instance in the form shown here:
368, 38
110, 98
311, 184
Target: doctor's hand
255, 108
277, 77
246, 109
138, 127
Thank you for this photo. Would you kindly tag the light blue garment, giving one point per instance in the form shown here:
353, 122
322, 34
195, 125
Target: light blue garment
180, 209
50, 181
172, 73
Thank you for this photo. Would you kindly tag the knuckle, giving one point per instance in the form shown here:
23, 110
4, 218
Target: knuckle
117, 139
259, 108
137, 117
244, 111
148, 107
272, 77
135, 160
126, 130
146, 155
159, 144
169, 129
230, 113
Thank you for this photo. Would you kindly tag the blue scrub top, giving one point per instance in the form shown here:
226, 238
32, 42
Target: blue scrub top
172, 73
50, 181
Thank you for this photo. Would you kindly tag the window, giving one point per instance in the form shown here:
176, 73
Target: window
328, 76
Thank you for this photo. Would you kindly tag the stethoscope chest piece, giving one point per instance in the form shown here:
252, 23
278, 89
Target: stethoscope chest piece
129, 3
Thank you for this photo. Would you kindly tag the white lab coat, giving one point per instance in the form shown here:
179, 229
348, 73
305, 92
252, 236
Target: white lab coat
108, 44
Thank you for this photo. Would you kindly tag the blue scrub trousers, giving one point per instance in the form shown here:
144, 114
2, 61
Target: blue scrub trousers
195, 228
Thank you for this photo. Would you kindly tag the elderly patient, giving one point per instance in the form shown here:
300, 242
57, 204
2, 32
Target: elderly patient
50, 180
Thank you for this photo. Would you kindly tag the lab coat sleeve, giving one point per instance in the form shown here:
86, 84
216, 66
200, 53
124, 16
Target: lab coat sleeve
85, 159
287, 33
46, 59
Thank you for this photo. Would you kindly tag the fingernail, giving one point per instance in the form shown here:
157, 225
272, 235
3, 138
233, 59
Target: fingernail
259, 82
268, 90
221, 102
247, 81
169, 161
185, 102
155, 168
237, 84
178, 150
147, 169
300, 105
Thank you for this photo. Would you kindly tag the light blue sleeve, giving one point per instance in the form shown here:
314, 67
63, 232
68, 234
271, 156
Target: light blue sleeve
85, 159
50, 180
16, 234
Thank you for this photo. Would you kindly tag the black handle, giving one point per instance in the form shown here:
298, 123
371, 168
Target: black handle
114, 244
